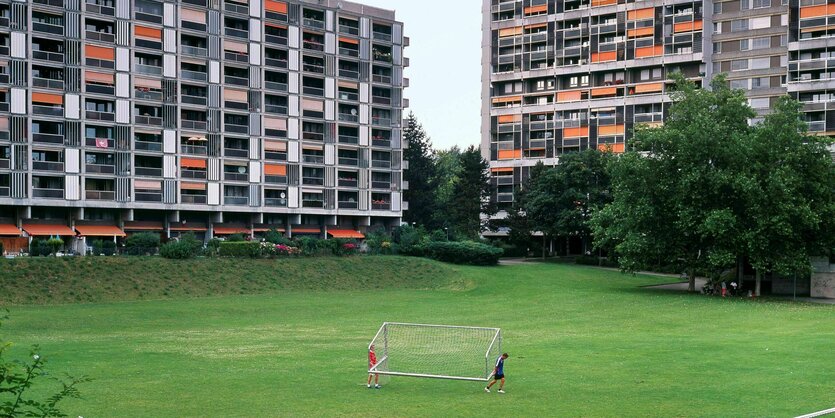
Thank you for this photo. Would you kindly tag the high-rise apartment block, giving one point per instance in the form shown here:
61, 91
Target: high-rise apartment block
568, 75
210, 116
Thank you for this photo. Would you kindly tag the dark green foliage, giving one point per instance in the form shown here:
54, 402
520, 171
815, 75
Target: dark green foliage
343, 247
472, 195
464, 252
276, 237
55, 245
240, 249
588, 260
411, 241
235, 238
187, 246
104, 247
380, 243
213, 246
313, 246
142, 244
420, 175
39, 247
1, 248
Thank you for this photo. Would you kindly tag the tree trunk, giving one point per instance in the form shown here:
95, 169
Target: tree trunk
691, 280
543, 245
758, 277
740, 270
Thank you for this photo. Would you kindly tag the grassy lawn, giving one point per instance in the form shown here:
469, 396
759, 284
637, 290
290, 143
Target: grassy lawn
583, 342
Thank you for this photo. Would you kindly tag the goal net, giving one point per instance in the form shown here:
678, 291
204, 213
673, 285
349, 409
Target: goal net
439, 351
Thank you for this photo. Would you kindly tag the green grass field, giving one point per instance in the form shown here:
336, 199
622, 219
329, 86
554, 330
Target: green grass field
583, 342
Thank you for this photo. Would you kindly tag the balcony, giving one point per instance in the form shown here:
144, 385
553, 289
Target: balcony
193, 199
346, 182
148, 171
100, 142
275, 202
381, 36
147, 197
195, 100
313, 45
193, 75
236, 200
348, 205
348, 73
147, 69
313, 159
313, 136
236, 8
147, 146
230, 127
5, 191
383, 143
380, 121
348, 139
48, 27
48, 56
381, 78
193, 149
275, 62
100, 36
276, 85
102, 8
348, 117
47, 110
100, 195
313, 68
380, 205
194, 51
238, 81
147, 120
349, 161
350, 52
102, 116
236, 153
313, 181
48, 193
228, 176
4, 163
313, 203
237, 33
236, 57
48, 166
105, 89
99, 169
381, 184
275, 179
313, 23
45, 138
381, 100
275, 39
196, 125
193, 174
349, 30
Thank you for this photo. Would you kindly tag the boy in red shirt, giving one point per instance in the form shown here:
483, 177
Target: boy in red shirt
372, 361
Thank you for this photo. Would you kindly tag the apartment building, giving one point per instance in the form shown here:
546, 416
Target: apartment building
207, 116
568, 75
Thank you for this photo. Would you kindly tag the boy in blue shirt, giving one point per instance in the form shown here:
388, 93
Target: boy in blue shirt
498, 374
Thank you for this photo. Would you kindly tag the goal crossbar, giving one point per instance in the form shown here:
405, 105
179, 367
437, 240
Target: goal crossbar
435, 351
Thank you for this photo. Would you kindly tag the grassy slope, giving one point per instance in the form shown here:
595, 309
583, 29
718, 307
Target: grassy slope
78, 279
583, 342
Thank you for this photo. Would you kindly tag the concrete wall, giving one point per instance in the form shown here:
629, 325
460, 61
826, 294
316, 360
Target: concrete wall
823, 279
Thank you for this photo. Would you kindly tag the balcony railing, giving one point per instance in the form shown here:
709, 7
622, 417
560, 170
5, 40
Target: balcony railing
99, 142
148, 171
276, 62
193, 149
193, 174
48, 83
313, 23
238, 81
48, 56
350, 30
147, 146
381, 184
195, 100
384, 143
5, 191
344, 95
101, 36
348, 205
381, 100
346, 73
313, 181
381, 163
313, 203
198, 125
275, 109
4, 163
275, 39
236, 8
238, 33
348, 139
275, 85
147, 69
350, 52
100, 9
381, 78
100, 195
235, 176
349, 161
100, 169
147, 197
348, 183
236, 152
313, 136
147, 120
275, 179
104, 116
193, 75
231, 127
48, 193
193, 199
313, 91
48, 166
275, 155
313, 159
275, 202
381, 206
48, 27
236, 56
48, 110
103, 89
380, 36
347, 117
380, 121
236, 200
48, 138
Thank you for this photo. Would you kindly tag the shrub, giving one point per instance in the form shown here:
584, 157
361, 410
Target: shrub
104, 247
236, 238
178, 250
240, 249
465, 252
1, 248
142, 244
39, 247
313, 246
55, 245
275, 237
412, 241
282, 249
213, 247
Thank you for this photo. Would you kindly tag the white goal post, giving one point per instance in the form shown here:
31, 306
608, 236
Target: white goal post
436, 351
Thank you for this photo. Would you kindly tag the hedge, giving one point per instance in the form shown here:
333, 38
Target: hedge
240, 249
465, 252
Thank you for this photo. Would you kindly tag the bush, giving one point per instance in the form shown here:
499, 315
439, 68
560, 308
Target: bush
186, 247
142, 244
1, 248
103, 247
465, 252
213, 247
412, 241
313, 246
240, 249
39, 247
275, 237
55, 245
236, 238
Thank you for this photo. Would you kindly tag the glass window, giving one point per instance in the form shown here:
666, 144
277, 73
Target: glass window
760, 83
759, 4
744, 5
717, 7
739, 25
761, 43
737, 65
743, 44
760, 103
717, 47
760, 63
740, 84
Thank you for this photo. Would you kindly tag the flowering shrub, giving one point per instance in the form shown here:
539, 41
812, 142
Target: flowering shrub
281, 249
349, 248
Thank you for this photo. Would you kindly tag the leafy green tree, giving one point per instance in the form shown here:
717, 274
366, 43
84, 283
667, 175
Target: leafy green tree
677, 203
789, 200
472, 195
420, 175
447, 170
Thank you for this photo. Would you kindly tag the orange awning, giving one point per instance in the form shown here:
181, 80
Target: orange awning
349, 40
100, 52
55, 99
144, 226
276, 6
41, 230
7, 230
147, 32
306, 231
99, 231
275, 169
267, 229
192, 163
187, 227
229, 230
345, 233
502, 169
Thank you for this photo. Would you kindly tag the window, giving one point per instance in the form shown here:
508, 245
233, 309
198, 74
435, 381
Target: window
760, 43
717, 47
717, 27
738, 65
759, 4
744, 44
760, 103
761, 22
741, 84
717, 8
784, 40
760, 83
784, 20
572, 82
760, 63
744, 4
584, 80
644, 75
717, 67
739, 25
656, 73
784, 61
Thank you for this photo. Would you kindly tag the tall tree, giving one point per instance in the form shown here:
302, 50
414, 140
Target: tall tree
420, 175
678, 202
447, 170
789, 195
472, 195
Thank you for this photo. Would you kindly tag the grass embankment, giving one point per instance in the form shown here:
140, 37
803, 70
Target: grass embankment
40, 280
583, 342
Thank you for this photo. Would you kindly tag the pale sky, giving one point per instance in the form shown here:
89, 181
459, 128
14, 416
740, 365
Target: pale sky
445, 66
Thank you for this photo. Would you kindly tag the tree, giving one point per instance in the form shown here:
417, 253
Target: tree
517, 223
472, 195
789, 204
677, 202
561, 200
447, 170
421, 194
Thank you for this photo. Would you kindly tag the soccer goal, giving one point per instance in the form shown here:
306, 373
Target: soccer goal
437, 351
